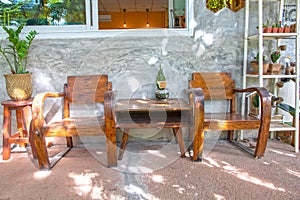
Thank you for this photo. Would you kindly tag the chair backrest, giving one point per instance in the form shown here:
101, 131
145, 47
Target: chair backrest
87, 88
215, 85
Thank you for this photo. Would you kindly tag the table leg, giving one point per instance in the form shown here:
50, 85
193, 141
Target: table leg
21, 126
6, 130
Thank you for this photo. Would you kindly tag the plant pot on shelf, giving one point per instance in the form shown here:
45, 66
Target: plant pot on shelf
267, 30
280, 30
275, 30
255, 67
275, 68
287, 29
18, 86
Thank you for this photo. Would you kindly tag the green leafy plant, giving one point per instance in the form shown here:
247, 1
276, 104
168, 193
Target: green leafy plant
275, 55
16, 51
160, 79
268, 23
255, 100
265, 58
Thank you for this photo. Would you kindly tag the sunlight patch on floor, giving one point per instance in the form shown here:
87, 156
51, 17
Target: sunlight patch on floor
40, 175
245, 176
179, 189
157, 153
158, 179
86, 187
281, 153
132, 189
293, 173
219, 197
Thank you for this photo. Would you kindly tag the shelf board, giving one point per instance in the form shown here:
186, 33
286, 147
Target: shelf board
278, 126
272, 36
254, 75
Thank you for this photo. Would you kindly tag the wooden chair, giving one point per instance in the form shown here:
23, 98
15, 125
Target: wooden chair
78, 91
220, 86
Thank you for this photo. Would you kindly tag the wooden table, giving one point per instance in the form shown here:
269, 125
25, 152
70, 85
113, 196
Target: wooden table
23, 117
152, 113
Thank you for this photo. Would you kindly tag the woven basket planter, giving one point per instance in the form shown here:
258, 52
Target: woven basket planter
18, 86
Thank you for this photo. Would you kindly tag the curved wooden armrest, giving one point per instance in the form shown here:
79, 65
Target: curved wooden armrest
109, 103
37, 110
265, 101
196, 97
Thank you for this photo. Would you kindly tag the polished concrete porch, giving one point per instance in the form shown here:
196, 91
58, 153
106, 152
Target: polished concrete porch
226, 173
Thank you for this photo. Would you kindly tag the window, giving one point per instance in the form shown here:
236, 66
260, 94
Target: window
142, 14
53, 16
40, 12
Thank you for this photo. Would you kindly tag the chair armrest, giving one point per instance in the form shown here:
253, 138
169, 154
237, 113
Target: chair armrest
38, 120
109, 104
265, 102
196, 98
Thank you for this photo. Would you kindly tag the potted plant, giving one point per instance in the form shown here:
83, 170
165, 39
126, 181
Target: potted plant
275, 66
267, 26
15, 51
255, 66
254, 108
275, 27
162, 92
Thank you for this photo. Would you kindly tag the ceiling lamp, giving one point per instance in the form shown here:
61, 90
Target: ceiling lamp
124, 25
147, 11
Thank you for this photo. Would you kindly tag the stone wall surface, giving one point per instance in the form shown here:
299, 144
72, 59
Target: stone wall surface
217, 45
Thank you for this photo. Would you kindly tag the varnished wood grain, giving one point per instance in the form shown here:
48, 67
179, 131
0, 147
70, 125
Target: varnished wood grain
23, 116
78, 90
220, 85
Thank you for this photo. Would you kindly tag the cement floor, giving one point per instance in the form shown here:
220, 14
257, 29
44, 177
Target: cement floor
225, 173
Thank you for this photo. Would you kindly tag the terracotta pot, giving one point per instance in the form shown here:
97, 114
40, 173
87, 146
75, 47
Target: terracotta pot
287, 29
267, 30
254, 65
18, 86
275, 67
275, 30
280, 30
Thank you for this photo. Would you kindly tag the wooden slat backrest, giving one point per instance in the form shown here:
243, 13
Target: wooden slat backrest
214, 85
87, 89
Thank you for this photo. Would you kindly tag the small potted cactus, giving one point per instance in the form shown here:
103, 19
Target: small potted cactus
161, 92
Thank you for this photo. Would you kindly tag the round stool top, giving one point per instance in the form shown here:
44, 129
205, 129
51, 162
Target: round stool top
17, 103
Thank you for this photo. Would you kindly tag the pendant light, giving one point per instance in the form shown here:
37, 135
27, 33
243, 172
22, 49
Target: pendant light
124, 24
147, 11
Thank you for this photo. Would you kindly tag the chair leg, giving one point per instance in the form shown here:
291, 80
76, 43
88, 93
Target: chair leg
178, 137
38, 143
69, 141
123, 145
261, 144
32, 145
174, 130
198, 145
230, 135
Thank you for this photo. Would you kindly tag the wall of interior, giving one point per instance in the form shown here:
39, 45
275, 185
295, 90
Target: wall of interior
134, 20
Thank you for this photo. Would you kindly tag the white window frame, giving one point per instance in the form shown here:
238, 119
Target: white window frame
91, 29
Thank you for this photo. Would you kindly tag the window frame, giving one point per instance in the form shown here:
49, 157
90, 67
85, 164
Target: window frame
91, 30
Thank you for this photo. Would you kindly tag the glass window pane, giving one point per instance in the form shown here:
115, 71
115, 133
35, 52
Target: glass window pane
42, 12
132, 14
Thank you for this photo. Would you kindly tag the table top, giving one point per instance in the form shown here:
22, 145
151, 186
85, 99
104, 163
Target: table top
171, 104
16, 103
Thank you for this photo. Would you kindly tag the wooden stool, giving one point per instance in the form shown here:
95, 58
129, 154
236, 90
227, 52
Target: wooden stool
23, 118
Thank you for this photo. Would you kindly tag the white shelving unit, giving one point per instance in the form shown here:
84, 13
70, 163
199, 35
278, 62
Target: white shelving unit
261, 37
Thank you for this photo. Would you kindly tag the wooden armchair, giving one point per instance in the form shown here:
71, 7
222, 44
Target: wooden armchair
78, 91
220, 86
